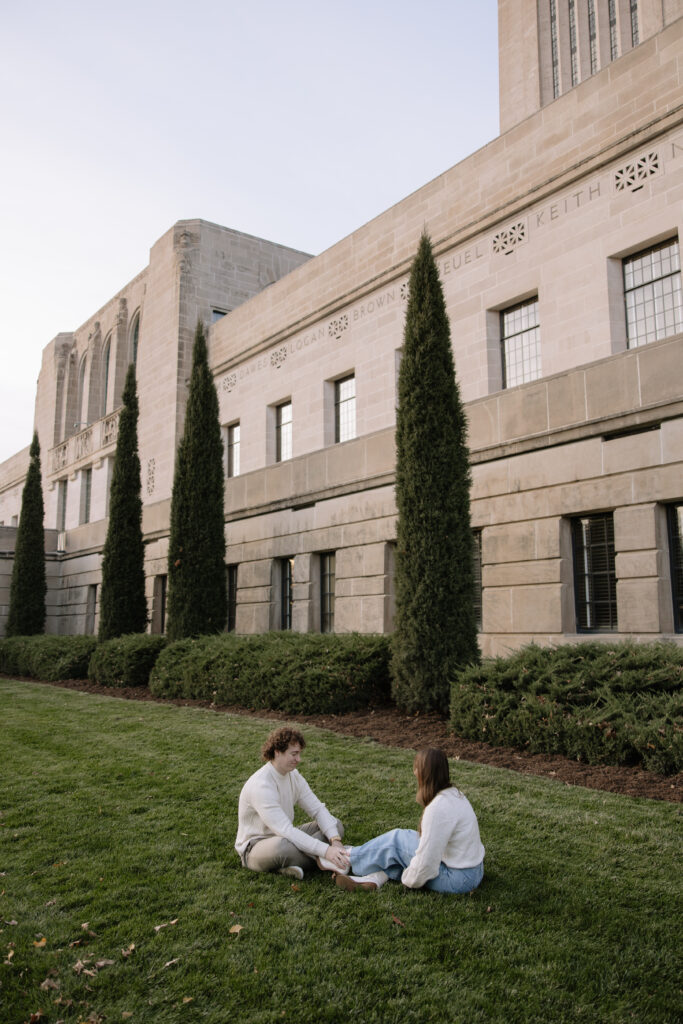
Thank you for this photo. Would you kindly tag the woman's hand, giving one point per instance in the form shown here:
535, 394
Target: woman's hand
337, 855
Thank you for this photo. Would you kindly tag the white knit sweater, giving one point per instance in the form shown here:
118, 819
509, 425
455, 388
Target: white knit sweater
450, 834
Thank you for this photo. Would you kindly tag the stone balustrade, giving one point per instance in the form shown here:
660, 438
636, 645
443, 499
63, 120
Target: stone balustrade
95, 439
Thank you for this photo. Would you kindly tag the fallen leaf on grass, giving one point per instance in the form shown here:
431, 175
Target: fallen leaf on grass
104, 963
76, 942
488, 910
236, 929
126, 1014
49, 983
40, 943
35, 1017
10, 923
50, 903
295, 887
129, 950
80, 965
158, 927
397, 920
86, 928
169, 963
8, 961
188, 999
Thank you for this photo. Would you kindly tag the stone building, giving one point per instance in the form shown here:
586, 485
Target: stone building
558, 248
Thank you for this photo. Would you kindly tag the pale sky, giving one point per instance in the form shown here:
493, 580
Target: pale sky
296, 122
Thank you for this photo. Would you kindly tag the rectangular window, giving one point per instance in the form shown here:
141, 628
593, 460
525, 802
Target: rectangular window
232, 450
218, 314
283, 432
86, 494
652, 293
595, 584
675, 520
231, 586
159, 604
345, 409
286, 573
520, 335
15, 521
476, 564
61, 504
327, 587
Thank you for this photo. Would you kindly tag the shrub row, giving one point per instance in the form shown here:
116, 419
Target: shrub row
47, 657
301, 673
616, 704
125, 660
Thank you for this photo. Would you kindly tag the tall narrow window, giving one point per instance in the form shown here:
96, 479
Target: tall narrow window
327, 588
232, 444
286, 573
554, 49
231, 583
86, 494
159, 604
476, 564
521, 343
573, 46
652, 291
106, 359
613, 36
635, 34
90, 608
134, 340
283, 432
675, 520
592, 37
345, 409
595, 584
81, 402
61, 504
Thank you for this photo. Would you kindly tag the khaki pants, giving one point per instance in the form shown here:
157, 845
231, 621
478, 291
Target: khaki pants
274, 853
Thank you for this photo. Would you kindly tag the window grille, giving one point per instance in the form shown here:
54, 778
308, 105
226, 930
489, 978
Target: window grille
283, 432
592, 37
476, 564
595, 585
345, 409
573, 47
286, 573
520, 343
652, 293
554, 50
635, 34
613, 36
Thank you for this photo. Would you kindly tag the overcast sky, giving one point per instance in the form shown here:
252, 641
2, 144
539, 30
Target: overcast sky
297, 122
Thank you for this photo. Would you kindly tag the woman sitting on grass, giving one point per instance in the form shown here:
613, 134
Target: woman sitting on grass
445, 855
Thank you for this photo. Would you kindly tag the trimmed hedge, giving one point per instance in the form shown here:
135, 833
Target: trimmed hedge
125, 660
617, 704
47, 657
295, 672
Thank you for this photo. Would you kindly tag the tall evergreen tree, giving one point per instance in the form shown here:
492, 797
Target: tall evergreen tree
123, 607
197, 597
435, 631
29, 586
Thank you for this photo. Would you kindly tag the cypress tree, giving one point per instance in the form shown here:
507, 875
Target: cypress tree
28, 586
123, 607
435, 631
197, 597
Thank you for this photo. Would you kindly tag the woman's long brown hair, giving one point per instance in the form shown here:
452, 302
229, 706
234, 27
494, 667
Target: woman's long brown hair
431, 768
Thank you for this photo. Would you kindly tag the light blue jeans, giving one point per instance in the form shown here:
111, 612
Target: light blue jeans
393, 851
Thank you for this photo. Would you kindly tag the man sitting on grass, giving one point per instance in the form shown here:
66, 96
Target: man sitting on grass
266, 837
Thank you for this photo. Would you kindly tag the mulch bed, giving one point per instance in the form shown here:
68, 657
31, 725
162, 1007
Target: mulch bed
394, 729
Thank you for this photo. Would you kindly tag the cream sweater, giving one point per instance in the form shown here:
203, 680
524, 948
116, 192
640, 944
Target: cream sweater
266, 808
450, 834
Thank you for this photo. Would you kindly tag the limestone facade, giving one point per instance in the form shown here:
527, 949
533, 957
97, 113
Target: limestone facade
575, 409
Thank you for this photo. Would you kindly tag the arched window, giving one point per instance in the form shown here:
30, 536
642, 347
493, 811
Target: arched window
80, 403
106, 359
134, 339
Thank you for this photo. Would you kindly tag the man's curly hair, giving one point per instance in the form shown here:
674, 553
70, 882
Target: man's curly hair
279, 740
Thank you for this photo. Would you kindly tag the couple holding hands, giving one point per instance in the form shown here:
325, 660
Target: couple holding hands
445, 854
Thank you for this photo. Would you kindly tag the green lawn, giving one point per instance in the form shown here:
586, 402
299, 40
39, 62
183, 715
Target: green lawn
118, 817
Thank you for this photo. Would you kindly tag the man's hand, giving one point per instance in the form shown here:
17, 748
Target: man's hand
337, 855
